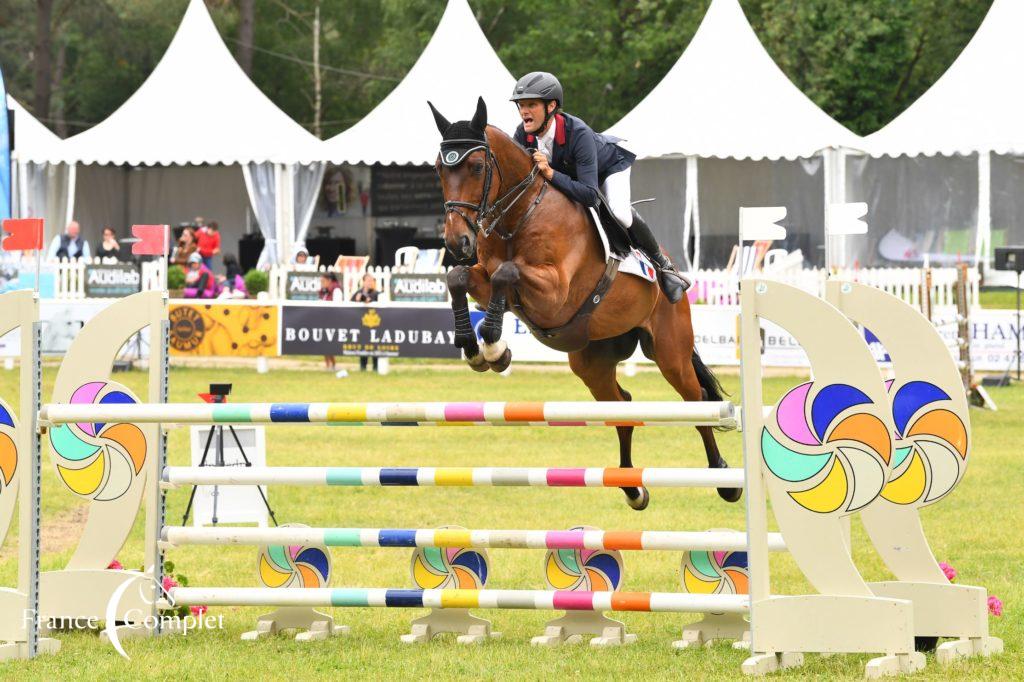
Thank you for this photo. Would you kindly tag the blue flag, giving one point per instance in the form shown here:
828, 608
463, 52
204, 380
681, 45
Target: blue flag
5, 155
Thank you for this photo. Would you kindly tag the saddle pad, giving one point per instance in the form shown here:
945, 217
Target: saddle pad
634, 263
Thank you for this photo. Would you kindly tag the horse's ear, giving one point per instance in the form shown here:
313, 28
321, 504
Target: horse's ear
441, 121
479, 121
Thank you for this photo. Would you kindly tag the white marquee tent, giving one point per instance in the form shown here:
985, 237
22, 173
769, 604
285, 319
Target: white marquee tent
725, 101
957, 148
457, 66
195, 116
39, 189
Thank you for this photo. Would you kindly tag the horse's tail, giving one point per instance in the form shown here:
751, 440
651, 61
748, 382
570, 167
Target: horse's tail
713, 390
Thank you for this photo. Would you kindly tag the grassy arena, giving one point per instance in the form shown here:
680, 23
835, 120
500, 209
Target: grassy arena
977, 530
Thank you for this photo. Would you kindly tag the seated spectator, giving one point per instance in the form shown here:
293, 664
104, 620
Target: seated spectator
232, 284
199, 281
208, 238
367, 294
109, 247
185, 247
301, 257
71, 244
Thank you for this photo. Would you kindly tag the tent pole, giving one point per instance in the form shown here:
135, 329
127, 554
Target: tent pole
983, 238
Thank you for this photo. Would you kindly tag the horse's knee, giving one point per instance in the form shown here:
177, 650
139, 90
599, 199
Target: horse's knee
458, 280
506, 275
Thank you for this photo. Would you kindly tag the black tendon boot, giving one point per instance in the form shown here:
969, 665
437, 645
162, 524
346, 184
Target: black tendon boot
672, 282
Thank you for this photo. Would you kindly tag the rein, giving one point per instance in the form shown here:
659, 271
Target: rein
494, 213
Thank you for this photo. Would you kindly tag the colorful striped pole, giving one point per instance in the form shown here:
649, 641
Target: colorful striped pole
558, 600
608, 413
595, 477
513, 539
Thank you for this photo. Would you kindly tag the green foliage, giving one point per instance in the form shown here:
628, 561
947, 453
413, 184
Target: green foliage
256, 281
862, 61
175, 278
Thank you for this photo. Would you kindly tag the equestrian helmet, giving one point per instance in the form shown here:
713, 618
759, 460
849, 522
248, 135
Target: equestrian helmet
538, 85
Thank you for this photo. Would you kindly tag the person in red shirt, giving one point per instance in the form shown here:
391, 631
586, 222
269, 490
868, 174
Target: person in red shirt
208, 238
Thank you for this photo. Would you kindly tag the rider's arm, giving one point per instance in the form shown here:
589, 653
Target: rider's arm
584, 188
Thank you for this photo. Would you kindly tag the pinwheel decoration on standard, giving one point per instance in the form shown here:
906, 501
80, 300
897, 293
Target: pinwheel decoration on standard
834, 456
8, 466
99, 460
294, 565
931, 445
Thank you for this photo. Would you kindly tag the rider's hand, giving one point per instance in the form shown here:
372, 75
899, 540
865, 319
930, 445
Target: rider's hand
541, 159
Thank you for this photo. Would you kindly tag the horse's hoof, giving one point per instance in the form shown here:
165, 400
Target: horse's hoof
728, 494
477, 362
495, 352
641, 501
503, 362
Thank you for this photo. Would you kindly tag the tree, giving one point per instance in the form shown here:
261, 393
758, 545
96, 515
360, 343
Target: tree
246, 19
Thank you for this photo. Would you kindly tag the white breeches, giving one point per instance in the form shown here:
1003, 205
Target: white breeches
617, 191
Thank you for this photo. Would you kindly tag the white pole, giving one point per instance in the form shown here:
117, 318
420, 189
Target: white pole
562, 413
454, 476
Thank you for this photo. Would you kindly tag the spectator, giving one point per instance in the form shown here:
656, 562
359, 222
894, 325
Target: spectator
71, 244
199, 281
208, 238
329, 285
109, 248
301, 256
186, 247
367, 294
232, 284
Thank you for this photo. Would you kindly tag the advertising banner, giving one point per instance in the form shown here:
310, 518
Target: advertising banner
224, 330
302, 286
112, 281
381, 331
419, 288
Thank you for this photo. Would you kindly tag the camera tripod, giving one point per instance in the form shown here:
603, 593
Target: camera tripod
218, 432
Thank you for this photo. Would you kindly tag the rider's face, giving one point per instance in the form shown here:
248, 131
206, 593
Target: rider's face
532, 113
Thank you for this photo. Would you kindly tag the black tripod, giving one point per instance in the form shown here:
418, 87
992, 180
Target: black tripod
218, 431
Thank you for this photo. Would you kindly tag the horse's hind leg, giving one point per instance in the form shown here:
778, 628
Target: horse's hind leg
672, 350
595, 365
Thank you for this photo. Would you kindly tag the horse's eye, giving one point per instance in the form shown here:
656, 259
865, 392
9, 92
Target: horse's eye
478, 168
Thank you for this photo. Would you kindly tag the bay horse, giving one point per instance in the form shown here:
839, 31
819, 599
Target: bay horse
539, 255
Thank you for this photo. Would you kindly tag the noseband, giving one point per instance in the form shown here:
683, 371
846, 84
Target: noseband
494, 213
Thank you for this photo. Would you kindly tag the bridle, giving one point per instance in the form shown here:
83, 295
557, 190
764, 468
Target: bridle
494, 213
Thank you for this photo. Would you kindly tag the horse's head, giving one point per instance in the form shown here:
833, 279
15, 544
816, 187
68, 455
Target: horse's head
465, 166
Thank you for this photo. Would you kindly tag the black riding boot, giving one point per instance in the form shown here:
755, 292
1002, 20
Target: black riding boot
672, 283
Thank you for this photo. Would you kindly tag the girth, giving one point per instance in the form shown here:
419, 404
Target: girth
575, 334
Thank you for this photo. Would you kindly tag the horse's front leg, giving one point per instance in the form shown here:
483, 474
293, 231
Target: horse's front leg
463, 279
496, 351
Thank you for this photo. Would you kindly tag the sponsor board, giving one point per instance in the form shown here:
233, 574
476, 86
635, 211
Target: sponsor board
419, 288
112, 281
380, 331
223, 330
302, 286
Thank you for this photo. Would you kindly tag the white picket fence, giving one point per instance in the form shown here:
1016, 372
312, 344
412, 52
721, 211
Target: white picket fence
350, 278
711, 287
721, 287
69, 275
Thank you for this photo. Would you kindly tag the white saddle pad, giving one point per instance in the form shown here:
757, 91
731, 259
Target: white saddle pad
636, 263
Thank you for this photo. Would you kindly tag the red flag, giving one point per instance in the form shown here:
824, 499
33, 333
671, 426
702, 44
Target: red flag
152, 240
25, 234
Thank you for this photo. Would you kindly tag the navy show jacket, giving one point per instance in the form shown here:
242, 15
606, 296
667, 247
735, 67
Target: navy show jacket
581, 159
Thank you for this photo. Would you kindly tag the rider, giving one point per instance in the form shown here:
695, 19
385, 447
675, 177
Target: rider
580, 162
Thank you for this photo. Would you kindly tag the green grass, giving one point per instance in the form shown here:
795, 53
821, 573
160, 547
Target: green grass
1002, 299
977, 530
